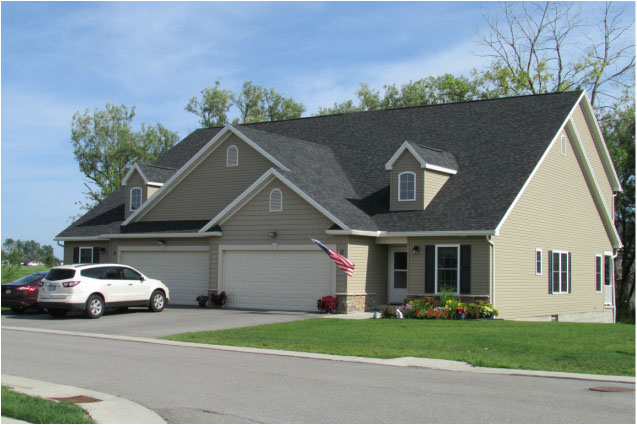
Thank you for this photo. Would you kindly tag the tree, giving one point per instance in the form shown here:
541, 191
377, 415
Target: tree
538, 48
105, 146
254, 103
22, 252
619, 131
213, 106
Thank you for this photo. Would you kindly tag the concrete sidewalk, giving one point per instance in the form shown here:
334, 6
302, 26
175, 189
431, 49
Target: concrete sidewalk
109, 410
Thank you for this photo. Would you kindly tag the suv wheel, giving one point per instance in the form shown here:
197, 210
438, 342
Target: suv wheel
94, 307
157, 301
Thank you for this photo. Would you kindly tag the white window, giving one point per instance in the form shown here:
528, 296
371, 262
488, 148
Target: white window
538, 262
407, 186
86, 255
560, 272
276, 200
448, 267
563, 145
232, 156
135, 198
598, 273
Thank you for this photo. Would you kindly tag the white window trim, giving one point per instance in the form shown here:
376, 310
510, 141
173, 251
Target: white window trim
236, 149
415, 190
141, 198
457, 246
281, 204
79, 257
541, 262
563, 145
553, 271
601, 273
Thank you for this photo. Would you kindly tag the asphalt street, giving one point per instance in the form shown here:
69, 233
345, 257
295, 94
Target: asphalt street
192, 385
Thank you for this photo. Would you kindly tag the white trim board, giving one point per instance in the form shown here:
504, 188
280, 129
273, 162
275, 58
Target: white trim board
423, 164
257, 187
193, 163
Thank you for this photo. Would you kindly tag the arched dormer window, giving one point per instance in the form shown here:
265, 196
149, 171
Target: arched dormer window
232, 156
276, 200
135, 198
407, 186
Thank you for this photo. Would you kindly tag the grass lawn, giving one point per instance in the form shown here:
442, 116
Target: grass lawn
11, 273
40, 411
606, 349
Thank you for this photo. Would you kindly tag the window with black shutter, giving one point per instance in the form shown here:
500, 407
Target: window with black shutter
598, 273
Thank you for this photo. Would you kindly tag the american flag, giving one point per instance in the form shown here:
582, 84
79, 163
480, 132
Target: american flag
341, 262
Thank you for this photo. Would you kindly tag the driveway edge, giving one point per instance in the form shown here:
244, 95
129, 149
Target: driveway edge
449, 365
109, 410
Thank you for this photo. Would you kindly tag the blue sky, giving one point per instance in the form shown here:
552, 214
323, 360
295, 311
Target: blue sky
59, 58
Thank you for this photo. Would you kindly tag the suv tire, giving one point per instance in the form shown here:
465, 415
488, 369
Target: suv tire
94, 307
157, 301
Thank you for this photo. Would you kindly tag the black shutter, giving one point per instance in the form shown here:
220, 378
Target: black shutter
550, 272
96, 254
430, 269
569, 272
76, 255
465, 269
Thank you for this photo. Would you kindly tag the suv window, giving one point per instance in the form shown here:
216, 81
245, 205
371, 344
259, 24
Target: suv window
60, 274
113, 273
131, 275
95, 273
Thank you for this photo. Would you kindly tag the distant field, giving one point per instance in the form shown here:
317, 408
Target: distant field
11, 273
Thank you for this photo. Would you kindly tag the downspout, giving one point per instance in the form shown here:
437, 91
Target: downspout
616, 251
490, 242
63, 249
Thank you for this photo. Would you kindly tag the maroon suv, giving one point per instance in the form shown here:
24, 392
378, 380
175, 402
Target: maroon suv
22, 293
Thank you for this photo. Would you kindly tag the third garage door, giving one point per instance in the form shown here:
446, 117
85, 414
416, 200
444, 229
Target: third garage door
278, 280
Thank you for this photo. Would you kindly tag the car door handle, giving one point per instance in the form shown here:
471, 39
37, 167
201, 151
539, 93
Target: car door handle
108, 284
130, 284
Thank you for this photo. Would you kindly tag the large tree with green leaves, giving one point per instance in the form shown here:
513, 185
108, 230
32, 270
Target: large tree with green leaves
106, 146
16, 252
212, 107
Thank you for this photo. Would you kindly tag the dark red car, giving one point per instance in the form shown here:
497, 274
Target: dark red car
22, 293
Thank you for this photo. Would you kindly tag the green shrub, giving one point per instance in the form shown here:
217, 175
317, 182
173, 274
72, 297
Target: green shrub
388, 313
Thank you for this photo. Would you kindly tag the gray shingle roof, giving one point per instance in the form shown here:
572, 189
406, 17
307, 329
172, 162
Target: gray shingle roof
339, 160
157, 174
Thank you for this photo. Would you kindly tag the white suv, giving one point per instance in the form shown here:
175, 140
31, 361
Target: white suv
94, 287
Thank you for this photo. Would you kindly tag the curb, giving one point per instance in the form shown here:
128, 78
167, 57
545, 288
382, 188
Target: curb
417, 362
109, 410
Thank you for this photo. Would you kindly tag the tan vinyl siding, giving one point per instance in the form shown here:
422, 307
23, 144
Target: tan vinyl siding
134, 181
105, 256
406, 162
433, 183
211, 186
594, 158
555, 212
295, 225
370, 274
480, 263
152, 190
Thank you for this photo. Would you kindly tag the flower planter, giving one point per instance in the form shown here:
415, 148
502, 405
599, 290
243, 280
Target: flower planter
460, 316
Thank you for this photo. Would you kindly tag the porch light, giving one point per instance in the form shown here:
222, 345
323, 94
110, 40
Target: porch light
272, 235
415, 250
161, 242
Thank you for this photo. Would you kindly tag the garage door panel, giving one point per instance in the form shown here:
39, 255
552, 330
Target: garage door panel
283, 280
186, 273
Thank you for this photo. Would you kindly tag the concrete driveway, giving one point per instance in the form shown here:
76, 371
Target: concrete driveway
142, 323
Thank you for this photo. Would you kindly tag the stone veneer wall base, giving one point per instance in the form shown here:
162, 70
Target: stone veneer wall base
355, 303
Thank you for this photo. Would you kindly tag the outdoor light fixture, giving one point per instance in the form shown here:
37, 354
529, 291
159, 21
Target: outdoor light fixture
415, 250
272, 234
161, 242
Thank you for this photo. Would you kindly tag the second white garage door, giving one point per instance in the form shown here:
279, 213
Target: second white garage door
184, 272
278, 280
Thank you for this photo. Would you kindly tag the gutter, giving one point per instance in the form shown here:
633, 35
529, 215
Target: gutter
490, 242
136, 236
383, 233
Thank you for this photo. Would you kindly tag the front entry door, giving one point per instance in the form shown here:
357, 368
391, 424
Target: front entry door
397, 275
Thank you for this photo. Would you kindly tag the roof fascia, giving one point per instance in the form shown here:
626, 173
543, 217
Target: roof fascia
255, 188
600, 143
155, 184
592, 181
406, 145
423, 164
383, 234
161, 235
79, 238
130, 172
537, 167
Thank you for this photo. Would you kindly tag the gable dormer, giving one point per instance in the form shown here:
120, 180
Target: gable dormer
417, 173
141, 182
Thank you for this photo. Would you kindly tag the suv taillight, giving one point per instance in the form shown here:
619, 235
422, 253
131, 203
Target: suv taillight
26, 288
70, 284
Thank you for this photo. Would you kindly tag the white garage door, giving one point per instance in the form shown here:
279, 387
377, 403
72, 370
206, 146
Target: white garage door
184, 272
278, 280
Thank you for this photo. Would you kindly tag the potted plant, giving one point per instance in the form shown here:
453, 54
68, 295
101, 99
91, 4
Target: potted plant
327, 304
460, 312
202, 299
219, 300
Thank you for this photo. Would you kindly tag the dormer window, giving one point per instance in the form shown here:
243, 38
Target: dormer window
135, 198
232, 156
276, 200
407, 186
